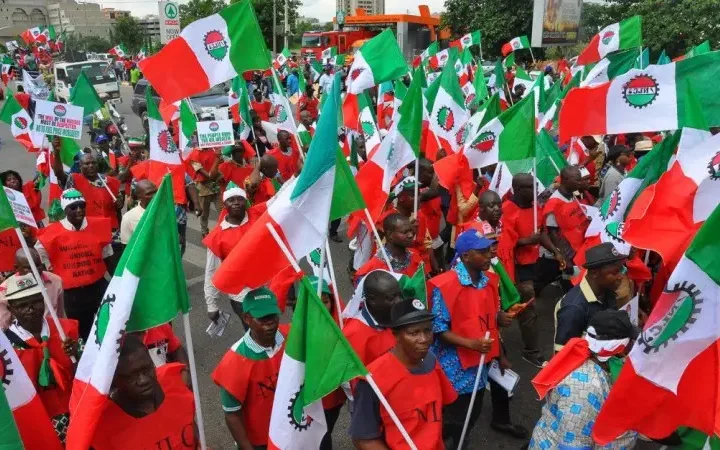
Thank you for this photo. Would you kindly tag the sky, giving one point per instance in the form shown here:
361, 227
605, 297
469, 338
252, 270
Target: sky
324, 10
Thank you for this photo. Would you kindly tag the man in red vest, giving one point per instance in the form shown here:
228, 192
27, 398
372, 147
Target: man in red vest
45, 356
262, 183
205, 162
521, 237
76, 248
366, 329
93, 186
286, 155
237, 168
223, 238
465, 304
248, 373
401, 373
149, 407
430, 204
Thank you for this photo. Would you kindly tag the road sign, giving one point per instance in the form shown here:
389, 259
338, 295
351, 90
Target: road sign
169, 14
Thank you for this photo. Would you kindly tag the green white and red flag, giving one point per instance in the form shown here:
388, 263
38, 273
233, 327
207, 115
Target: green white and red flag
441, 58
379, 59
367, 124
448, 113
610, 67
309, 372
281, 59
300, 211
139, 297
642, 100
31, 35
328, 53
21, 124
467, 40
239, 103
284, 119
674, 359
47, 34
209, 51
517, 43
188, 127
618, 36
119, 51
142, 54
423, 57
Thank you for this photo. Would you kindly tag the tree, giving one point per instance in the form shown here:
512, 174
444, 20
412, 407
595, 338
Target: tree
198, 9
499, 20
128, 31
79, 42
264, 13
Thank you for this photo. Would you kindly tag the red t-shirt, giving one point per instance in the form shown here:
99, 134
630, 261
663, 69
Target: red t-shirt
308, 104
262, 109
24, 99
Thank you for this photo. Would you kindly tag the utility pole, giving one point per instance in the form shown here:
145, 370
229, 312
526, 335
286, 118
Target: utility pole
274, 49
287, 22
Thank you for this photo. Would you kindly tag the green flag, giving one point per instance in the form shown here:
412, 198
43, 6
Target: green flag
7, 217
509, 294
68, 149
414, 287
83, 94
152, 257
346, 194
663, 58
700, 49
517, 140
481, 90
188, 126
9, 434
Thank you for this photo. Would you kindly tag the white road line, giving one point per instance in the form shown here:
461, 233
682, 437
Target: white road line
195, 255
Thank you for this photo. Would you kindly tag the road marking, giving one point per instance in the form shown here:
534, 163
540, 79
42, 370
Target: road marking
195, 255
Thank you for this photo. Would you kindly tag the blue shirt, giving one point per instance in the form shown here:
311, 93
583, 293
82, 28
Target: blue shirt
462, 380
292, 84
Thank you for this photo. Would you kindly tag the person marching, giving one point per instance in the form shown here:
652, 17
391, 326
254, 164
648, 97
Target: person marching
204, 163
149, 408
262, 183
465, 306
286, 155
248, 373
37, 342
76, 248
223, 238
411, 379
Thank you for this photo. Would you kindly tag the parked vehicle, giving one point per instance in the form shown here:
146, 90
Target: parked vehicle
100, 74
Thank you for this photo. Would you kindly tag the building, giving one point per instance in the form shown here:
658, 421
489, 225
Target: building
310, 20
17, 16
151, 25
87, 19
371, 7
114, 14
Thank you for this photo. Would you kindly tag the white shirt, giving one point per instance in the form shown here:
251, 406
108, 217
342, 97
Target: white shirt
212, 262
129, 222
107, 251
326, 82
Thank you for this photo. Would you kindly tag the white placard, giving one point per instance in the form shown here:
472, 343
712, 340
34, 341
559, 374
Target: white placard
215, 133
507, 381
169, 16
221, 114
58, 119
20, 207
632, 307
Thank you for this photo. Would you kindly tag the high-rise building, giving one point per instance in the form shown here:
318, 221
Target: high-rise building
151, 25
82, 18
370, 6
114, 14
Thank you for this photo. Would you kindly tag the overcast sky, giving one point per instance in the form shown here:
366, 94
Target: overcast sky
324, 10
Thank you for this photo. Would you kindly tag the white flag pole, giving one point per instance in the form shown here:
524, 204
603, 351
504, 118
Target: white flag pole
472, 397
333, 282
194, 381
535, 195
378, 240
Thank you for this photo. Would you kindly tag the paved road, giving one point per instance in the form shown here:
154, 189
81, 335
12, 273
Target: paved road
525, 409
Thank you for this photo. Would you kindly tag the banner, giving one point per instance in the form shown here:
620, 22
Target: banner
169, 21
555, 22
215, 133
20, 207
58, 119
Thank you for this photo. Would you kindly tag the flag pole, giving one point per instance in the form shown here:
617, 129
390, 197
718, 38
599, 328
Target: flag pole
378, 240
194, 380
321, 278
531, 54
535, 195
472, 397
283, 248
417, 185
107, 188
333, 282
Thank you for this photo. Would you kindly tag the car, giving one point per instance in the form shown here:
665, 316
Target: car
203, 105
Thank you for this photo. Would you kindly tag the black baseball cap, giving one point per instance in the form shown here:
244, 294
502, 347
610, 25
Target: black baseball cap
408, 312
602, 255
611, 324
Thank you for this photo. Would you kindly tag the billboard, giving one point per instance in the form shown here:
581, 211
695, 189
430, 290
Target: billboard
556, 22
169, 15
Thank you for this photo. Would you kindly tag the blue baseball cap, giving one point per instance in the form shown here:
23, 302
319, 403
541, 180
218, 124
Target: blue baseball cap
101, 138
472, 240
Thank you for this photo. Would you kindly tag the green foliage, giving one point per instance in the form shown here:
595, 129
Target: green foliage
673, 25
128, 31
197, 9
499, 21
79, 42
328, 26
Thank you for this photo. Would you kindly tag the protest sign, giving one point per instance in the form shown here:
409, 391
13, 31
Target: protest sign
58, 119
215, 133
20, 207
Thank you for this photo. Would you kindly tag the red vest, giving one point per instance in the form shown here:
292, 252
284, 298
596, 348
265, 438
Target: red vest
265, 191
571, 220
377, 262
206, 158
433, 213
252, 383
34, 199
170, 427
416, 399
369, 343
9, 244
472, 313
287, 164
221, 242
55, 399
98, 201
232, 172
76, 256
522, 222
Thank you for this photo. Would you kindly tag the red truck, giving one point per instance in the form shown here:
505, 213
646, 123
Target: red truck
314, 42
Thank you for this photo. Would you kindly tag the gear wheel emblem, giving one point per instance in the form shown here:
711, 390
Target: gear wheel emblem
641, 91
446, 118
614, 231
611, 205
714, 167
6, 369
296, 414
683, 304
102, 319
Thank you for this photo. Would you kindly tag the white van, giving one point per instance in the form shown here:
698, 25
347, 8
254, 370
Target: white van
100, 74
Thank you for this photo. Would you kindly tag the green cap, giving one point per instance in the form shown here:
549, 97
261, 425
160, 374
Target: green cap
314, 281
261, 302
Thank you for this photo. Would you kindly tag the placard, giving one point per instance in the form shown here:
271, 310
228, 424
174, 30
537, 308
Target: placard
555, 22
58, 119
169, 21
20, 207
215, 133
